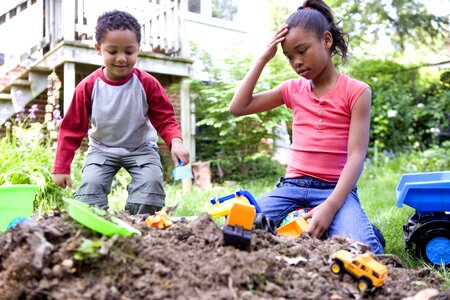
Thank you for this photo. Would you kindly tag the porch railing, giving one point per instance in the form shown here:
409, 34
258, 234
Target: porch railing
162, 24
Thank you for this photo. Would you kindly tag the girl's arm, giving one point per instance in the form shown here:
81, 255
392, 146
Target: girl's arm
244, 102
358, 141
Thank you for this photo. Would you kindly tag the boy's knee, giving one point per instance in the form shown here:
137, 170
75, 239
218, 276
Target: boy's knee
92, 192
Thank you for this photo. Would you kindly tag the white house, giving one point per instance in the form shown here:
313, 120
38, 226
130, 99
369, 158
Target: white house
39, 37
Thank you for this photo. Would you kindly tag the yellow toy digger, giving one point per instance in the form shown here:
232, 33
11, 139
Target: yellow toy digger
238, 229
242, 213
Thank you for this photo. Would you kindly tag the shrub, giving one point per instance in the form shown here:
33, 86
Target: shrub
257, 166
407, 112
230, 142
27, 158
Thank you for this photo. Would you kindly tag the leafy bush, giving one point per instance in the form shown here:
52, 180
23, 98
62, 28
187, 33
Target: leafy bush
392, 91
431, 113
431, 160
406, 113
27, 158
257, 166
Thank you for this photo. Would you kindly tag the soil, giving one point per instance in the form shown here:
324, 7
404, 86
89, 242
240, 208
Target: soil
57, 258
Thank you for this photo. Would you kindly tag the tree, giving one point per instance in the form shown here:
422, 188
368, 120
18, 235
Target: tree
402, 21
236, 141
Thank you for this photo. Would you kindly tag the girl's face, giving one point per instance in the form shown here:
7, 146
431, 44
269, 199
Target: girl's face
307, 53
120, 50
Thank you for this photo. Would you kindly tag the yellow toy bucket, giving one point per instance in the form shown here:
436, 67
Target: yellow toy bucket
16, 201
294, 228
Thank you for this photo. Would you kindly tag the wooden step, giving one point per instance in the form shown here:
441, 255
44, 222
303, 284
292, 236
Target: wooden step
21, 83
38, 69
5, 97
16, 72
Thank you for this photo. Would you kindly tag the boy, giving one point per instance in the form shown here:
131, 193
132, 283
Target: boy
127, 109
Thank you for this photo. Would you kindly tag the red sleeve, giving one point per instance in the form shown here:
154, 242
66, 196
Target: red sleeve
74, 126
160, 110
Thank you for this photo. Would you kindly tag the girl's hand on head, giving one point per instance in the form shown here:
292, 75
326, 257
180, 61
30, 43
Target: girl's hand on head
271, 49
321, 217
179, 152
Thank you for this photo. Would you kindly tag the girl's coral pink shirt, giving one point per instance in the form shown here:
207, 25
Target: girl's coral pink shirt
320, 126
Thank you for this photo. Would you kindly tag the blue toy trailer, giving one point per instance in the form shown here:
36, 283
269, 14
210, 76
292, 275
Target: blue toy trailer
428, 228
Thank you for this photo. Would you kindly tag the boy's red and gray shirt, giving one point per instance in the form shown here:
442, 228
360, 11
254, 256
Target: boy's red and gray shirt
115, 114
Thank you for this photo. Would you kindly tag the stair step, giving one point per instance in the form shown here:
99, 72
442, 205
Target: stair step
40, 69
5, 97
16, 72
21, 82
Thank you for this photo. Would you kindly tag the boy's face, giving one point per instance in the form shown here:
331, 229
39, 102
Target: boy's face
120, 50
307, 54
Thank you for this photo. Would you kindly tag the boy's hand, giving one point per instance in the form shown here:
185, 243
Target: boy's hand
179, 152
62, 180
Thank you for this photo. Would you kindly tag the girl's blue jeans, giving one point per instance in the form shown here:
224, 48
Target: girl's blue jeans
302, 192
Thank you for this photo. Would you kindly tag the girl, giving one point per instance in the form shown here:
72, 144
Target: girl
330, 128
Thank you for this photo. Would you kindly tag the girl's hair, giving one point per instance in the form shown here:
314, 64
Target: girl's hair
317, 16
116, 20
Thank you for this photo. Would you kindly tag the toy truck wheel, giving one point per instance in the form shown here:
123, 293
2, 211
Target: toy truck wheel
336, 267
363, 284
265, 223
435, 247
261, 221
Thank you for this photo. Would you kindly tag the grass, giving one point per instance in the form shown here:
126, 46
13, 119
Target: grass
194, 202
197, 201
378, 199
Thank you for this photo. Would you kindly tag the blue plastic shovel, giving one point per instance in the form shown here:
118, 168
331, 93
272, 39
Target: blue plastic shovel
181, 172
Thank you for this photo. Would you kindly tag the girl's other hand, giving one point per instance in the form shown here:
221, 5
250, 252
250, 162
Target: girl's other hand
271, 49
321, 217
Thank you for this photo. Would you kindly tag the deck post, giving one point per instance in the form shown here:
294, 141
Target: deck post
186, 130
69, 84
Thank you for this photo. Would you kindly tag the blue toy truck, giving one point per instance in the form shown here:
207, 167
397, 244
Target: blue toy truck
428, 228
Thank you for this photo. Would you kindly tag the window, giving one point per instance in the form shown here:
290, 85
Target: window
194, 6
224, 9
375, 274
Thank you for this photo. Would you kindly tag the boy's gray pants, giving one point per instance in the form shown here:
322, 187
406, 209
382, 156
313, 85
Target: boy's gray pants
145, 191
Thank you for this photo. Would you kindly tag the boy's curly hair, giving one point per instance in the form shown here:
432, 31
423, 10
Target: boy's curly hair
116, 20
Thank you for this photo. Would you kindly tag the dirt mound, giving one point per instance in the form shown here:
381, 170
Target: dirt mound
57, 258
